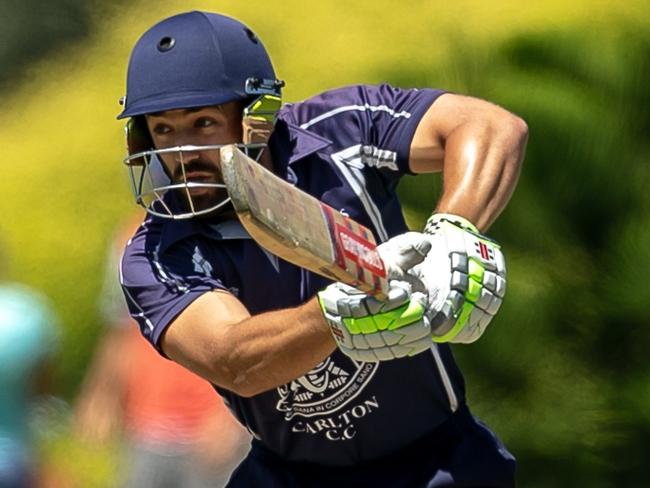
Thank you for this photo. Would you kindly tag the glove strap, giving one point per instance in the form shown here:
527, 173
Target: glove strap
461, 222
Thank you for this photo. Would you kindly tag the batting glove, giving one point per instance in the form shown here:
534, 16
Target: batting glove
371, 330
400, 253
465, 276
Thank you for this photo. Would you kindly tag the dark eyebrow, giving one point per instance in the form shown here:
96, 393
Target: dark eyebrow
185, 110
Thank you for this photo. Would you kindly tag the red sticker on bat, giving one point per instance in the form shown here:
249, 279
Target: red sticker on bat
359, 250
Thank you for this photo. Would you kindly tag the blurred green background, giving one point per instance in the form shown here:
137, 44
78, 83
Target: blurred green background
563, 374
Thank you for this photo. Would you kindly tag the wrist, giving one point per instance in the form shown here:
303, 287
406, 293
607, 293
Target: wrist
312, 313
461, 222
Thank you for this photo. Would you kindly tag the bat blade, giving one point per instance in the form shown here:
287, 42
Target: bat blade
299, 228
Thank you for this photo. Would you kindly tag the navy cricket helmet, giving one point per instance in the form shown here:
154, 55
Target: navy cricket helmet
196, 59
193, 59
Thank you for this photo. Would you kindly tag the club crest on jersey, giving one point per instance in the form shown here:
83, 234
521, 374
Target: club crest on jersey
327, 388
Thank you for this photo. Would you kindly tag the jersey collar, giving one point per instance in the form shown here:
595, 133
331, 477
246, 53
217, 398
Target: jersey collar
290, 143
176, 230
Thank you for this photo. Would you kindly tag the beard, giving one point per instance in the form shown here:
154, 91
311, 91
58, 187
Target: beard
200, 198
202, 171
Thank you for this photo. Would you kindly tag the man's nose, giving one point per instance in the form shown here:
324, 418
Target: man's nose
186, 157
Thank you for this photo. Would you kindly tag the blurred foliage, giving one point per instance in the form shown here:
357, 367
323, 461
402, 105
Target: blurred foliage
562, 374
31, 30
25, 37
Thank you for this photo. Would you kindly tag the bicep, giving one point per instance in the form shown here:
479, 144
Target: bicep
196, 338
448, 113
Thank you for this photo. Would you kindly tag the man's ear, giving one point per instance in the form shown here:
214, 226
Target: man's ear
259, 118
138, 138
256, 131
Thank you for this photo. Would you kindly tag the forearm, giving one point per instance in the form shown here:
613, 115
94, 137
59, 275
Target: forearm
481, 166
243, 353
276, 347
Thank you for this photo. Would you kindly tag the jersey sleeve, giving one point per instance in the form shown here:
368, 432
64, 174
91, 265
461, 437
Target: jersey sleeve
395, 117
158, 288
381, 118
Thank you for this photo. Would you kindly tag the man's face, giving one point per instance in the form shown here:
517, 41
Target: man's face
201, 126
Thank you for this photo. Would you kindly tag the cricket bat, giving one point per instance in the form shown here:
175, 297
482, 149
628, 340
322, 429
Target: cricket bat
299, 228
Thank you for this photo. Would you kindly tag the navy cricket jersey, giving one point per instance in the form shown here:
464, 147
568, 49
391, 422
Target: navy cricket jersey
348, 147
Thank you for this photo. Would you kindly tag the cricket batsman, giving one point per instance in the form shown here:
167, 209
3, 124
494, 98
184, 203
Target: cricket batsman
337, 387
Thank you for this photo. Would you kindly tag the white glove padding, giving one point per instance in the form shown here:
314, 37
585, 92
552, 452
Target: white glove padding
370, 330
401, 253
465, 276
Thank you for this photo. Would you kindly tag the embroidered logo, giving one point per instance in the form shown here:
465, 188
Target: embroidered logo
360, 156
201, 265
484, 251
381, 158
326, 388
326, 401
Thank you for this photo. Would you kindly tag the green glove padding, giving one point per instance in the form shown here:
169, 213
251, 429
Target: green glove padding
465, 276
370, 330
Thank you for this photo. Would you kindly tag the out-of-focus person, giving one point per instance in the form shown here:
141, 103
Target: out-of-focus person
176, 431
28, 337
